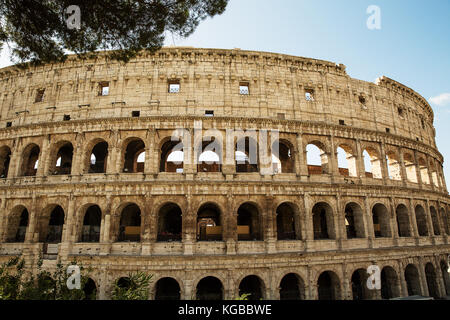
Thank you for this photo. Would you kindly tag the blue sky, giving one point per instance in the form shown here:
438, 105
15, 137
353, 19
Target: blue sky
412, 46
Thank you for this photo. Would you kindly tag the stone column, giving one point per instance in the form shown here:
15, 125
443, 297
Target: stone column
423, 279
412, 218
269, 225
333, 163
401, 275
309, 243
418, 173
429, 220
370, 229
301, 159
44, 157
402, 167
360, 166
383, 164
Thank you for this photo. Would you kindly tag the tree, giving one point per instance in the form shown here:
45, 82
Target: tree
38, 31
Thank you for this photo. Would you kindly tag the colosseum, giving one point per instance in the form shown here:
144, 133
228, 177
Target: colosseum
90, 170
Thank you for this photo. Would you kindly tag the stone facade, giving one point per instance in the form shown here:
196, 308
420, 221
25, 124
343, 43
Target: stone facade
321, 225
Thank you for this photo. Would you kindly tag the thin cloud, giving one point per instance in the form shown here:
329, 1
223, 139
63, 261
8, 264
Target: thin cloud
441, 100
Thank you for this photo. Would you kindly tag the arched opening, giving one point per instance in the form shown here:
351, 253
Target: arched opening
209, 223
169, 223
445, 275
346, 161
410, 166
134, 154
90, 290
372, 164
316, 158
282, 157
248, 223
130, 224
288, 222
98, 157
62, 159
412, 281
124, 283
434, 174
209, 288
421, 220
172, 157
167, 289
445, 220
381, 223
292, 287
252, 286
354, 222
246, 155
403, 225
424, 171
430, 275
359, 285
17, 225
5, 158
389, 283
323, 221
328, 286
393, 166
210, 156
91, 224
30, 160
55, 225
435, 221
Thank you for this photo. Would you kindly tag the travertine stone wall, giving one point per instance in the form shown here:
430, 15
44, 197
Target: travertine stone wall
345, 112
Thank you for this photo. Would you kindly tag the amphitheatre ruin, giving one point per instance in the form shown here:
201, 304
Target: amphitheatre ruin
89, 171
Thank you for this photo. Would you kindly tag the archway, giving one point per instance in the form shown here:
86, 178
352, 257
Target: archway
381, 222
209, 223
130, 224
98, 157
393, 166
359, 285
346, 161
323, 221
209, 288
403, 224
292, 287
328, 286
17, 225
389, 283
372, 164
172, 157
167, 289
30, 160
412, 281
55, 225
248, 223
134, 154
435, 221
283, 160
252, 286
354, 222
62, 159
209, 156
288, 222
5, 158
430, 275
90, 290
316, 159
169, 223
410, 166
421, 220
445, 275
247, 155
91, 224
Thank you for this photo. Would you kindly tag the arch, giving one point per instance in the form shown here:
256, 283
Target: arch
167, 289
435, 221
372, 163
403, 225
130, 223
425, 177
61, 158
430, 275
169, 223
359, 285
288, 222
30, 160
412, 280
323, 221
381, 221
434, 173
445, 276
91, 224
134, 147
283, 160
410, 166
328, 286
5, 159
421, 220
253, 286
17, 224
393, 166
445, 220
292, 287
316, 158
247, 155
209, 288
346, 161
90, 290
209, 155
98, 157
53, 224
209, 223
354, 221
172, 157
249, 223
390, 286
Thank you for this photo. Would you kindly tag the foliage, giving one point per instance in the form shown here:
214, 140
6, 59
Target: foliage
134, 287
244, 296
37, 31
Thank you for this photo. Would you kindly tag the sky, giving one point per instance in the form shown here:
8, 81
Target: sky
412, 46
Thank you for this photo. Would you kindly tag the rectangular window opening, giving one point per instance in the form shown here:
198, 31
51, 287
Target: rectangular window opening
136, 114
9, 124
103, 88
342, 122
174, 86
66, 117
309, 95
244, 88
40, 95
388, 130
281, 116
209, 113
